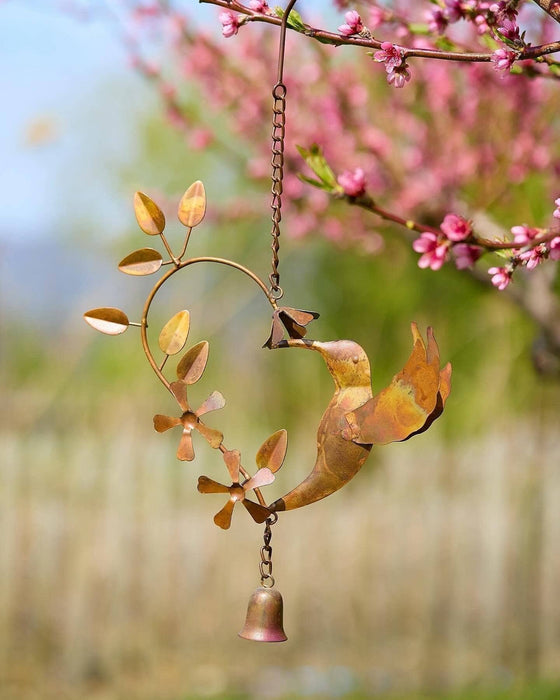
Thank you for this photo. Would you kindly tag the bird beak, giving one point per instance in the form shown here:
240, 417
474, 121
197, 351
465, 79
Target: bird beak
299, 343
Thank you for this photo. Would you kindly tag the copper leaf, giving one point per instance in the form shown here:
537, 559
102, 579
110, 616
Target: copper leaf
108, 320
192, 206
273, 450
174, 334
145, 261
193, 363
149, 216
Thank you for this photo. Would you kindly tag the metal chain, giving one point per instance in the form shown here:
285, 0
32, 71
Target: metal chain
278, 134
265, 566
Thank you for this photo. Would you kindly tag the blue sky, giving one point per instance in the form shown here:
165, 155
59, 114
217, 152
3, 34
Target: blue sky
55, 70
69, 99
59, 117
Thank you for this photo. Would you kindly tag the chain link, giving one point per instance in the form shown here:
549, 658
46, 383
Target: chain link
265, 566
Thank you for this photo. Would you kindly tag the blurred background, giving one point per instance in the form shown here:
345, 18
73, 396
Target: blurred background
435, 573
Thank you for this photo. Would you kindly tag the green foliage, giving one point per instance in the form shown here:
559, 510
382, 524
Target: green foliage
317, 162
294, 20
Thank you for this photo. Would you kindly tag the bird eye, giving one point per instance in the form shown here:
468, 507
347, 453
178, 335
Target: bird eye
355, 359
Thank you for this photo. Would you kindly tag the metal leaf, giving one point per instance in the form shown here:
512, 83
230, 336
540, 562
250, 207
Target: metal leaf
258, 513
405, 406
107, 320
223, 518
179, 391
185, 451
149, 216
174, 334
213, 403
192, 206
273, 450
207, 485
212, 436
300, 316
232, 458
145, 261
193, 364
263, 477
163, 423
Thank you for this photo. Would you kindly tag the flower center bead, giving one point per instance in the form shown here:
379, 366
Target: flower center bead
237, 493
189, 419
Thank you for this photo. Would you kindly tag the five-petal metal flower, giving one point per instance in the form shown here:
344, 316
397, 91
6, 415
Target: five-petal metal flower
293, 320
237, 491
190, 420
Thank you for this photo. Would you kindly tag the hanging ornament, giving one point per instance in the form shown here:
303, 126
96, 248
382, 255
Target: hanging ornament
354, 420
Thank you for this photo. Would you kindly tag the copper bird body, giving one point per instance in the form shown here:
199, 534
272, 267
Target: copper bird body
355, 420
338, 459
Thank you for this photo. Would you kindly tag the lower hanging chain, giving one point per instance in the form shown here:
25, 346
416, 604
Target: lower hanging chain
265, 566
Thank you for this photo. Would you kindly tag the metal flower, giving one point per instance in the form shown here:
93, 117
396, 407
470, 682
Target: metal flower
293, 320
190, 420
237, 491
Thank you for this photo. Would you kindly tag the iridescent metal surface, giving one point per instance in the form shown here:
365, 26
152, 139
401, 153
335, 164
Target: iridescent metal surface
355, 420
265, 613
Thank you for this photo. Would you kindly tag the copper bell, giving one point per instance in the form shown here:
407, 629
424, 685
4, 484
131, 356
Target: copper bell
264, 617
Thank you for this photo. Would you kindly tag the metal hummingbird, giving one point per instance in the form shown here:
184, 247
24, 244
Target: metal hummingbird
355, 420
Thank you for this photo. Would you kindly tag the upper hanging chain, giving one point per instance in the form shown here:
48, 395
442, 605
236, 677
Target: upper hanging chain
278, 132
278, 136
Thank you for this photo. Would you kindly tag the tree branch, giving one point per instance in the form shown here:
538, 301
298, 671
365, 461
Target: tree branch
551, 7
529, 52
536, 297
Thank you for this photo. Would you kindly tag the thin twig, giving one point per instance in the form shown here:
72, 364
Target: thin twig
529, 52
551, 7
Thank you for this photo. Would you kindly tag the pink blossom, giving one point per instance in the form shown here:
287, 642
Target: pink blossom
167, 91
200, 138
456, 228
524, 235
230, 23
398, 77
353, 182
469, 156
481, 24
353, 24
503, 10
376, 17
466, 255
501, 277
147, 12
175, 117
395, 65
503, 59
437, 21
434, 249
509, 29
454, 10
259, 6
554, 248
392, 56
556, 212
535, 256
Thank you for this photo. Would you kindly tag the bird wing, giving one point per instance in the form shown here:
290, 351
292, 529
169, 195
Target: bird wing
410, 404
